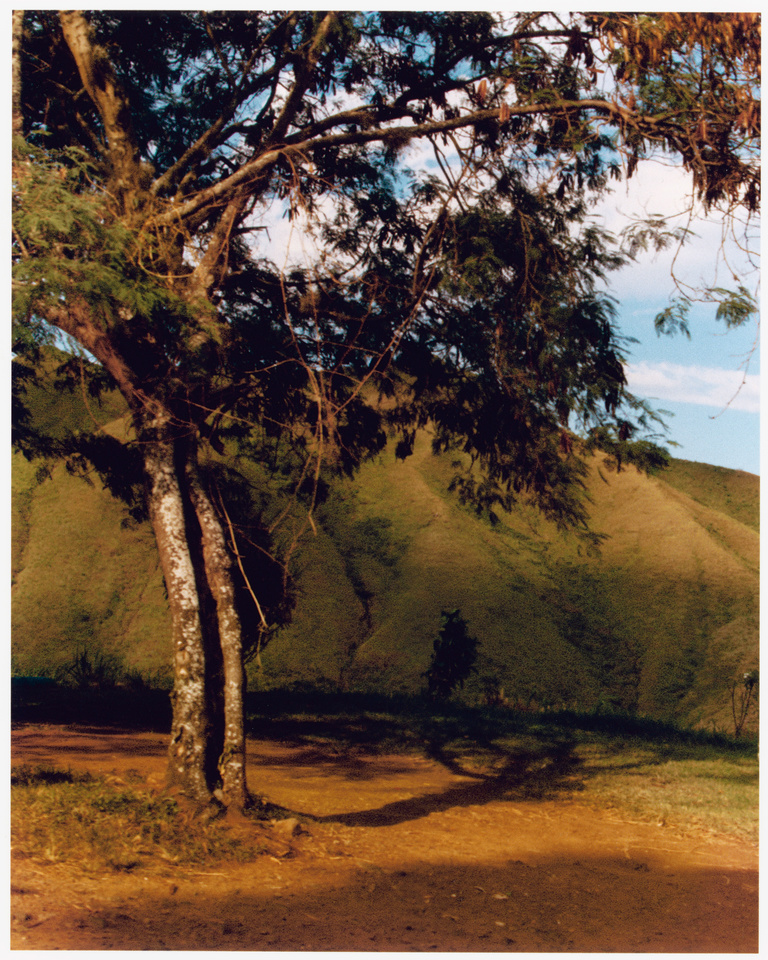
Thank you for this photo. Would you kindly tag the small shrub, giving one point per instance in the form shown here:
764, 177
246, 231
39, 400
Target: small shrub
744, 695
453, 657
89, 668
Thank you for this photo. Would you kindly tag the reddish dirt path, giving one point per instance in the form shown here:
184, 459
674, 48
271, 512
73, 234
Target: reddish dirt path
406, 856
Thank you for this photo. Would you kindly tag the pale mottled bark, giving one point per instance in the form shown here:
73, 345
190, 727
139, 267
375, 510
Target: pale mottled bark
218, 573
189, 735
17, 118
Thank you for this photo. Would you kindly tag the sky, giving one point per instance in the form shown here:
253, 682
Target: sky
708, 384
710, 381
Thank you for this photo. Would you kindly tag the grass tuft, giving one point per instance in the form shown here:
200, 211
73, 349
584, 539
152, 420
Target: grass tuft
59, 816
29, 776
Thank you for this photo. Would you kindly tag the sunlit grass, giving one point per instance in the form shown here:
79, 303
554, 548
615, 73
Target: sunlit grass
689, 792
692, 788
59, 816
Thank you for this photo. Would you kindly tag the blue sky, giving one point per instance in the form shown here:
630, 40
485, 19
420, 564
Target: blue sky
701, 380
710, 382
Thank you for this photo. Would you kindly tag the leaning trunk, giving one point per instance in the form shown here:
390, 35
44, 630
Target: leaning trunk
189, 735
218, 574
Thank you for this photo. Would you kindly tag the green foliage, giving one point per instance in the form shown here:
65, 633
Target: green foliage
499, 344
70, 248
735, 308
653, 234
67, 241
453, 657
674, 318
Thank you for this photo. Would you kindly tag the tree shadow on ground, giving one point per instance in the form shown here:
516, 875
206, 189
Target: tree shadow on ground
516, 775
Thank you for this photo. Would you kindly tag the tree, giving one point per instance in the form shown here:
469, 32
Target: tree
152, 153
453, 657
748, 686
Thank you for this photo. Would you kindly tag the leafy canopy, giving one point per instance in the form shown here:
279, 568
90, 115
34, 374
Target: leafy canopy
446, 164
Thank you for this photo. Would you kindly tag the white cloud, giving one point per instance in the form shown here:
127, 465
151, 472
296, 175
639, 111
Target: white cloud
705, 386
711, 256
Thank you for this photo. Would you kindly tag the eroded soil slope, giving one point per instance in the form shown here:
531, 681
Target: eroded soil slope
395, 853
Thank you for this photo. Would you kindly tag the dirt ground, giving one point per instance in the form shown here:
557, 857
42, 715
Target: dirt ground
395, 853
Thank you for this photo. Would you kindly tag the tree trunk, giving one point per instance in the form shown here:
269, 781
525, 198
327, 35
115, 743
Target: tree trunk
218, 574
17, 119
189, 734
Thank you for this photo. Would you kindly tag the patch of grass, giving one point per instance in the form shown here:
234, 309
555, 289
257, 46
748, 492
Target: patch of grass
104, 823
692, 790
28, 776
732, 492
685, 779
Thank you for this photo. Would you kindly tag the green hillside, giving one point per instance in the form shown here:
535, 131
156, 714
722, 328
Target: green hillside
658, 622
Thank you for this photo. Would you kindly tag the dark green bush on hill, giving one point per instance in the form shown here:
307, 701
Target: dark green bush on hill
453, 656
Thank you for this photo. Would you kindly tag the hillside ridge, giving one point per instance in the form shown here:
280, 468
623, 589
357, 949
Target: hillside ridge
658, 621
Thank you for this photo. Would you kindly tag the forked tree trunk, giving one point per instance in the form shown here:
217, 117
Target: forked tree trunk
218, 574
189, 734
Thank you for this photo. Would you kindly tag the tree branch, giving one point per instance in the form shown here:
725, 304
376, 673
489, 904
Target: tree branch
252, 170
74, 318
98, 78
304, 72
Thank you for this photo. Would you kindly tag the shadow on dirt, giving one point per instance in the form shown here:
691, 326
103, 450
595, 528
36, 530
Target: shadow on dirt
499, 754
520, 776
581, 902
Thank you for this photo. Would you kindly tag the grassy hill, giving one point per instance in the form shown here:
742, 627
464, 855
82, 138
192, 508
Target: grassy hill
658, 622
